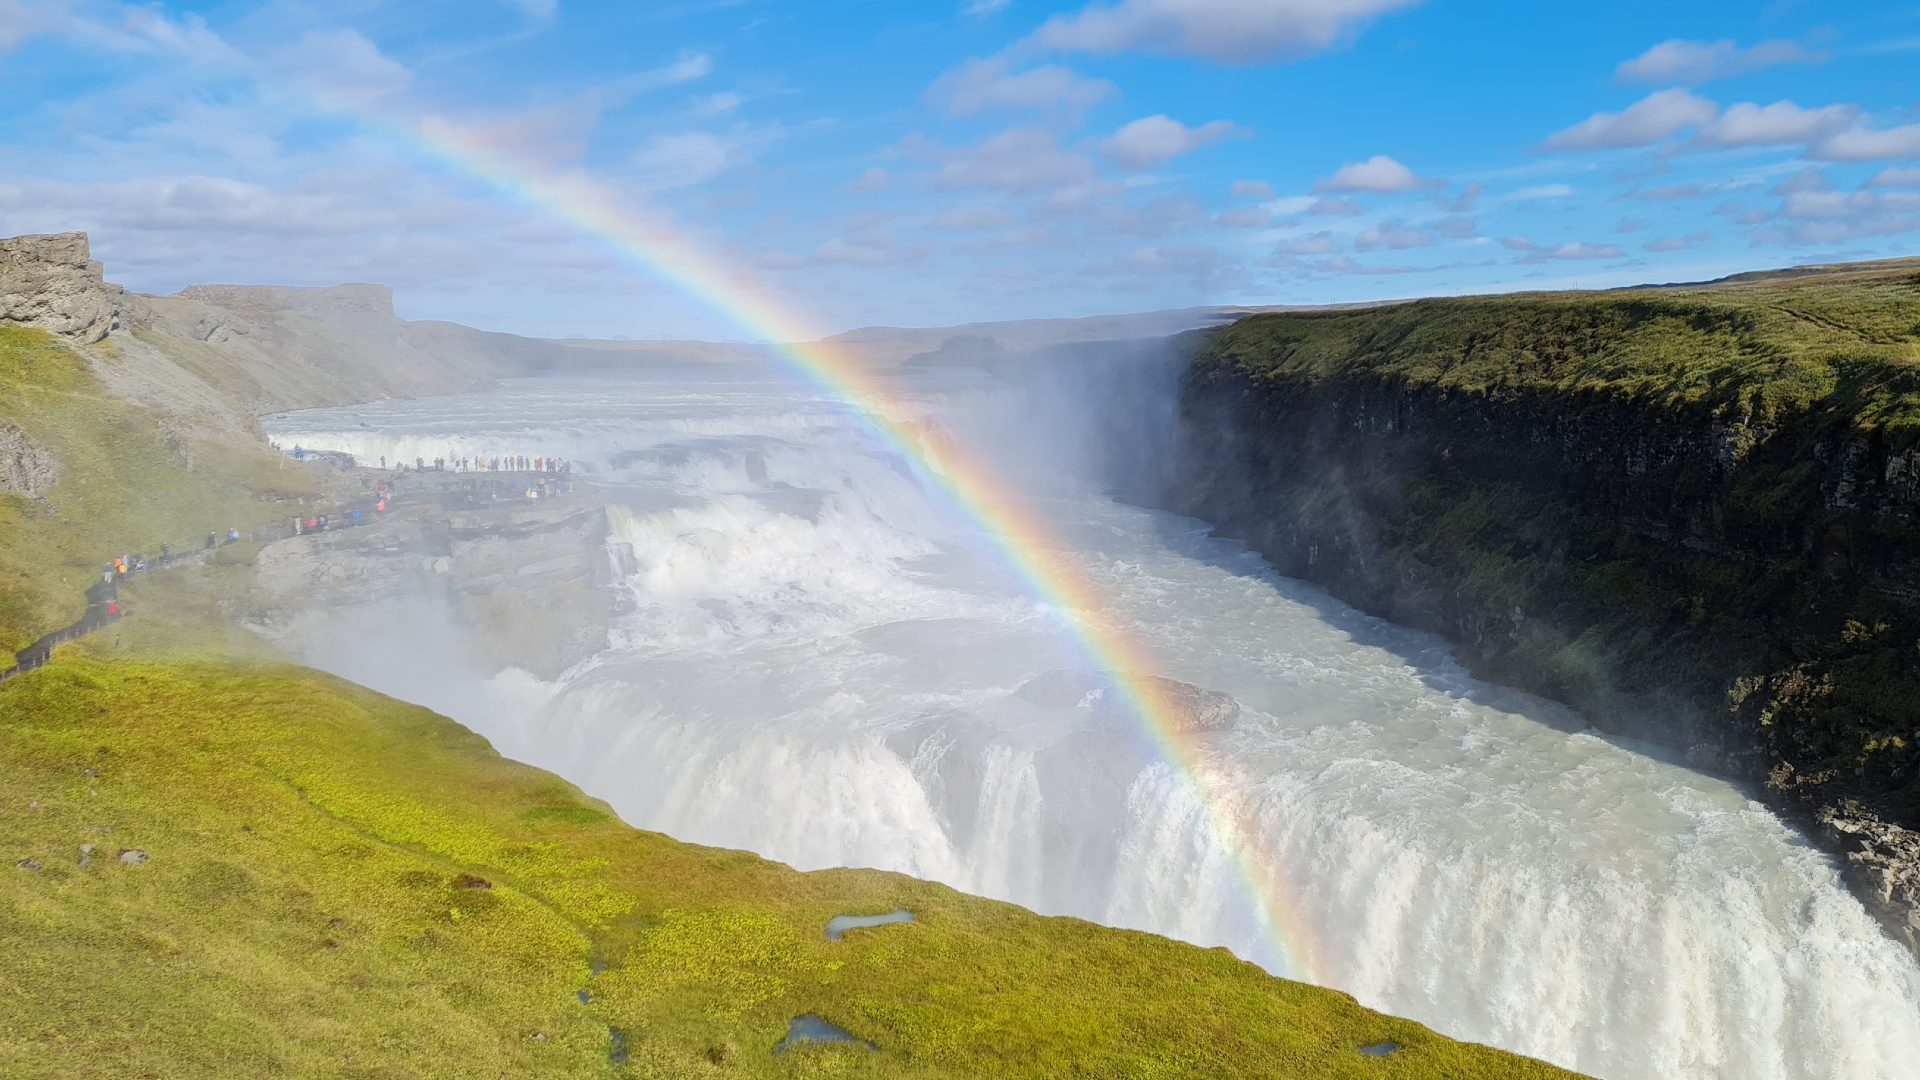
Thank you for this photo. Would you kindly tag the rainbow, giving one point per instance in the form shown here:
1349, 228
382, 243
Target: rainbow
1021, 539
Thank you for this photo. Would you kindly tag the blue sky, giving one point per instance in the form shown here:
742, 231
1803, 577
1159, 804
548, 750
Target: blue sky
953, 160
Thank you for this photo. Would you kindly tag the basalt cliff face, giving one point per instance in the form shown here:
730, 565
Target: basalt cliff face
1693, 514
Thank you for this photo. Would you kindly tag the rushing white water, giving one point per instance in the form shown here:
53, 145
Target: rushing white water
823, 663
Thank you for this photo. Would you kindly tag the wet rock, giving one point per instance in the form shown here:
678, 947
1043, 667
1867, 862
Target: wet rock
132, 855
1882, 867
1184, 707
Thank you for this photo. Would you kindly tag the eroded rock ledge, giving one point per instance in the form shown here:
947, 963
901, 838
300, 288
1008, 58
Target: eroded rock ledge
51, 282
524, 583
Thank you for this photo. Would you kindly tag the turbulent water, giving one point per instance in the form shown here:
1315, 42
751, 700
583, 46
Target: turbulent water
823, 663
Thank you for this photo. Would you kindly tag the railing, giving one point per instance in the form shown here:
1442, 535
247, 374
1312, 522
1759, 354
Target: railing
453, 489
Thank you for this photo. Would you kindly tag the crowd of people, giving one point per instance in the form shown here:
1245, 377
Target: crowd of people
551, 466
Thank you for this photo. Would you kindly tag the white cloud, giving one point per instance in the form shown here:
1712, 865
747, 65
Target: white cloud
1251, 189
1829, 217
1869, 144
1677, 243
342, 69
973, 217
1645, 122
686, 158
1458, 227
1539, 191
1571, 251
1895, 178
1378, 173
687, 69
1341, 264
1018, 159
1807, 179
1154, 140
1245, 217
1695, 62
1336, 208
979, 85
1466, 201
1230, 31
1575, 250
1319, 243
1749, 124
1392, 235
873, 179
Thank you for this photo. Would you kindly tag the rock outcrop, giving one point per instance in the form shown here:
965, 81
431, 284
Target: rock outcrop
51, 282
26, 467
523, 584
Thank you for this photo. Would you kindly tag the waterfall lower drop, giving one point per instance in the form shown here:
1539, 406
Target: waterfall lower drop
822, 664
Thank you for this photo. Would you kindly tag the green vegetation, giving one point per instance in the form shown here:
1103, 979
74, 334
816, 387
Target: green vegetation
313, 904
1680, 509
1768, 348
215, 864
126, 483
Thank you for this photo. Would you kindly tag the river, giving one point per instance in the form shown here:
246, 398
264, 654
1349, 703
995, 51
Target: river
823, 662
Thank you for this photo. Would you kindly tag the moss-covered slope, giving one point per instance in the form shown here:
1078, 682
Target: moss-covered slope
340, 884
123, 480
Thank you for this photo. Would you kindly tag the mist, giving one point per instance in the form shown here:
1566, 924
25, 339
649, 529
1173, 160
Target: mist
818, 657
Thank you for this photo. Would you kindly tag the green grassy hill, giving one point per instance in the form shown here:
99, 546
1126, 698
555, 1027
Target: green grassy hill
216, 864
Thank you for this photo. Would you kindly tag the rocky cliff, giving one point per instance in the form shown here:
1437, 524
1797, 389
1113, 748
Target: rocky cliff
1690, 513
517, 583
52, 283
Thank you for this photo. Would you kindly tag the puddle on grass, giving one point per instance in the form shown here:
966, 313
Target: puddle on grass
616, 1046
838, 926
583, 996
808, 1028
1380, 1049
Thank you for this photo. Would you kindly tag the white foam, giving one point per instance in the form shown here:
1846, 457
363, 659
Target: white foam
821, 667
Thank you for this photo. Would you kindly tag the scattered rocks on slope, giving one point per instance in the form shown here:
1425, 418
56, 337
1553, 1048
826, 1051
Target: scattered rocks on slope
28, 864
51, 282
132, 855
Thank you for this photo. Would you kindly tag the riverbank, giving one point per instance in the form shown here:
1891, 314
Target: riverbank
1688, 513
